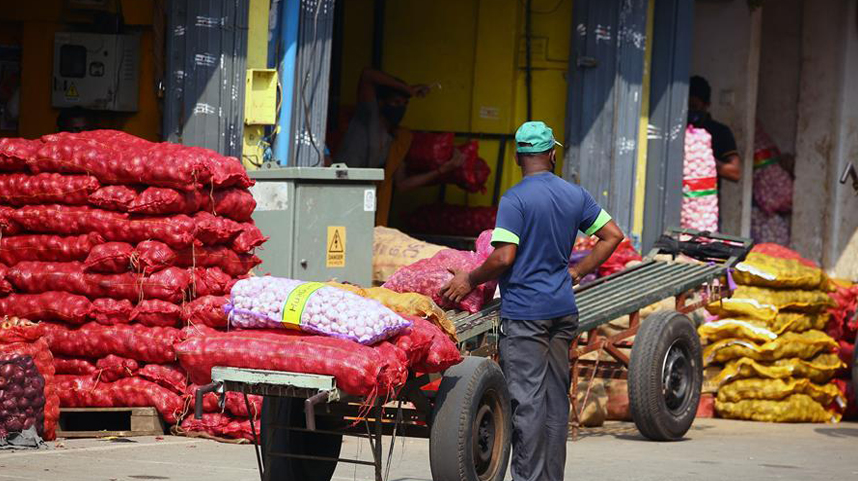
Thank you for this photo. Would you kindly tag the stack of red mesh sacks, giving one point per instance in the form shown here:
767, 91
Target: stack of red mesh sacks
117, 242
842, 326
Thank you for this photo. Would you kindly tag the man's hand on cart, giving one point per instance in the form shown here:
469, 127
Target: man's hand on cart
463, 282
458, 287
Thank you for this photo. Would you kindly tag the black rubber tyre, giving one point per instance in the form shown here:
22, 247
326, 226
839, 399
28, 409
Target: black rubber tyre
290, 412
665, 376
471, 423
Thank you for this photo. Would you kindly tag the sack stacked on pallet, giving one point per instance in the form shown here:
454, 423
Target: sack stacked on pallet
775, 362
117, 242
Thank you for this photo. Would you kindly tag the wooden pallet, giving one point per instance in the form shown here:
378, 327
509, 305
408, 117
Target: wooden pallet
108, 422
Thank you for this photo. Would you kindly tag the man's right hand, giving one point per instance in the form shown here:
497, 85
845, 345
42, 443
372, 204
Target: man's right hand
419, 91
454, 163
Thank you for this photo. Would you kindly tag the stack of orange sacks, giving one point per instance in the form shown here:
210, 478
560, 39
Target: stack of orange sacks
116, 244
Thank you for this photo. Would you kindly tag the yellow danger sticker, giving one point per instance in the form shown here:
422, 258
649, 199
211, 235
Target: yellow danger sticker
294, 305
71, 93
335, 250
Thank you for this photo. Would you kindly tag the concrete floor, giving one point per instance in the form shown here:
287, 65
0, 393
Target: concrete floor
715, 449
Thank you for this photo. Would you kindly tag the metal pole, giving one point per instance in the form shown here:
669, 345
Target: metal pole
288, 49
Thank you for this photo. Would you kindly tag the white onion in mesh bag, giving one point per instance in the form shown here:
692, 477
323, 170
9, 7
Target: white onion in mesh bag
258, 302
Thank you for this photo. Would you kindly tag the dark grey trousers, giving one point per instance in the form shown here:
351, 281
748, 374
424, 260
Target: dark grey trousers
534, 357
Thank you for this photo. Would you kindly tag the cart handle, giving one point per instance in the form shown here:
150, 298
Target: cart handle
198, 397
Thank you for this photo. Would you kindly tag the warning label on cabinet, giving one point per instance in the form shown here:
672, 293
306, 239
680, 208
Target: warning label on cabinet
335, 255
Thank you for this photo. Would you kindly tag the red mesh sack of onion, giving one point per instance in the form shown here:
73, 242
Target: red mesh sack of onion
275, 302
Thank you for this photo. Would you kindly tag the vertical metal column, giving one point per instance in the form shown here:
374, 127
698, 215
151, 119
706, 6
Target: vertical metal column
207, 45
604, 101
312, 79
671, 61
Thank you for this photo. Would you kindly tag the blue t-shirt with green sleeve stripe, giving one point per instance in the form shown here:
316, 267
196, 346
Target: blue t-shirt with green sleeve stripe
542, 214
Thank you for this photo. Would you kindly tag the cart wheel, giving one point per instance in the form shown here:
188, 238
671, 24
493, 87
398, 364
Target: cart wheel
665, 376
277, 412
471, 423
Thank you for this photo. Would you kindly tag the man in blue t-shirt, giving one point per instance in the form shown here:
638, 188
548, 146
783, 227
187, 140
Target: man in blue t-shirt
538, 220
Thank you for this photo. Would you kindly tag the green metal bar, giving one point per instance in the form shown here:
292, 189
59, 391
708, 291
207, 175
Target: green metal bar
653, 284
624, 283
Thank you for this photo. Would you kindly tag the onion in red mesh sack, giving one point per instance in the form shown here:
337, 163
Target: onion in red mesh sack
111, 311
27, 368
47, 248
35, 277
112, 368
153, 256
153, 312
207, 310
113, 197
165, 165
176, 231
70, 220
8, 226
226, 259
24, 189
161, 200
431, 350
773, 189
249, 238
14, 153
73, 366
359, 370
209, 282
429, 150
210, 399
218, 426
225, 171
75, 391
109, 258
483, 244
429, 276
146, 344
5, 286
237, 204
235, 405
275, 302
445, 219
473, 173
47, 306
170, 376
213, 230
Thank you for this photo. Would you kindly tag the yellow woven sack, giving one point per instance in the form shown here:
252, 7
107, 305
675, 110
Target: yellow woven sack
736, 329
766, 271
764, 304
393, 250
747, 367
820, 369
413, 304
803, 345
798, 408
408, 304
777, 389
798, 322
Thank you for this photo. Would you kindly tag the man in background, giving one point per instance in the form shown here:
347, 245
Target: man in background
374, 138
729, 164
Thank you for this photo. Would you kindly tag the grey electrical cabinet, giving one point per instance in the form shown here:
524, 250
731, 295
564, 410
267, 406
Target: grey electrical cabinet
320, 222
95, 71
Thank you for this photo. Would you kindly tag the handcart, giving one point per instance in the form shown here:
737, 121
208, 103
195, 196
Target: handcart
465, 413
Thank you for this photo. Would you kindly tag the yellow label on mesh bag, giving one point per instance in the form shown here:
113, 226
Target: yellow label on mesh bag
294, 305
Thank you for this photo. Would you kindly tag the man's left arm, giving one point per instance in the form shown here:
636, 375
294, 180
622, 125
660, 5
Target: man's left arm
728, 163
730, 168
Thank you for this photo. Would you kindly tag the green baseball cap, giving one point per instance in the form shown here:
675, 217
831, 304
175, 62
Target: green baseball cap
534, 137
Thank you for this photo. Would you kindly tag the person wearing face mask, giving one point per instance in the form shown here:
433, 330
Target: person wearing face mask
723, 143
375, 139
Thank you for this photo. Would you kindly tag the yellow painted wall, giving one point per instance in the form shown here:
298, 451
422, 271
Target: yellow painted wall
38, 21
475, 50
